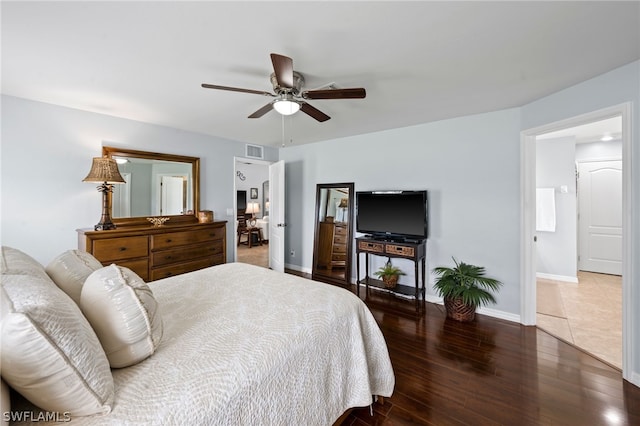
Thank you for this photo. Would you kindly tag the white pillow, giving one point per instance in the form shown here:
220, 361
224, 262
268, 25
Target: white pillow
70, 270
123, 312
50, 354
16, 262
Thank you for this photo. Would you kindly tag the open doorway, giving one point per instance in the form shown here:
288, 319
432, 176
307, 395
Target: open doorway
529, 234
579, 236
251, 228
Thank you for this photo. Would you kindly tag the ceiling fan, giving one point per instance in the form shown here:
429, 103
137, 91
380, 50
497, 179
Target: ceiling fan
288, 93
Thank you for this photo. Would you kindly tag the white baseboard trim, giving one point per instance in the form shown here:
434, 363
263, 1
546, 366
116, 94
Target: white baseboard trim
297, 268
564, 278
634, 379
482, 310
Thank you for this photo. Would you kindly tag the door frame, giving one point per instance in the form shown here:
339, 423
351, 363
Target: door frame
527, 219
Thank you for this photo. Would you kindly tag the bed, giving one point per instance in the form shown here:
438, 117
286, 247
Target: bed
244, 345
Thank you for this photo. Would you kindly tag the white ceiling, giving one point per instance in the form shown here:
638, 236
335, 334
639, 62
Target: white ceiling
419, 61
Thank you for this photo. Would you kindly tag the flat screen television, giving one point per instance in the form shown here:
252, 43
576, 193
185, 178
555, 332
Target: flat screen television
392, 215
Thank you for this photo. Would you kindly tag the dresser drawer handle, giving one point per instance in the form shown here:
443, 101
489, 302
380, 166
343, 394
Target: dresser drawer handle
169, 240
123, 249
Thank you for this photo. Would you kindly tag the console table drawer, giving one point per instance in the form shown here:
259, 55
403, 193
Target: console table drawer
400, 250
176, 239
371, 247
113, 249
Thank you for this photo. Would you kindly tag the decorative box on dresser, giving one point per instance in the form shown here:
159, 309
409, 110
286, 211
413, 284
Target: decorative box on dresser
158, 252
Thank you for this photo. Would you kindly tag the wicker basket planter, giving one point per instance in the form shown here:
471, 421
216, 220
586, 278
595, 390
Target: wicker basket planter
458, 310
390, 281
463, 288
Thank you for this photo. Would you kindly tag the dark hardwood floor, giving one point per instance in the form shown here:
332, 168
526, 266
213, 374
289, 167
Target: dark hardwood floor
492, 372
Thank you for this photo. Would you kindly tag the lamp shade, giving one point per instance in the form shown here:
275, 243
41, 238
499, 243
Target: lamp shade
344, 203
104, 170
253, 208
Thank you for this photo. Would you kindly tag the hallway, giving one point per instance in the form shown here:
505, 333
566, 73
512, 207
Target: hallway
256, 255
587, 315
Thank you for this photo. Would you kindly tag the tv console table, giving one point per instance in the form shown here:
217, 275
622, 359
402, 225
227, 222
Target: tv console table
392, 249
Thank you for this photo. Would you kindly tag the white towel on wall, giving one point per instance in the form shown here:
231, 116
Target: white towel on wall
546, 209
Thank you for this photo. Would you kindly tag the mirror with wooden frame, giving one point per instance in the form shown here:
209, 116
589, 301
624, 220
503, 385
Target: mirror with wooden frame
333, 233
157, 184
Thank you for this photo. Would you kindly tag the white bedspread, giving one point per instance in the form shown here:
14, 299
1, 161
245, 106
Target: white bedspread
244, 345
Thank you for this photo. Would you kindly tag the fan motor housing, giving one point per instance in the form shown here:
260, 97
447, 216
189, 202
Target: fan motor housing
298, 82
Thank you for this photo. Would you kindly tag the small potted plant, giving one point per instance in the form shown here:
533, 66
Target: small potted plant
464, 288
389, 274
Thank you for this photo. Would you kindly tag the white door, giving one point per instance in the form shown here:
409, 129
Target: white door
276, 216
600, 217
172, 195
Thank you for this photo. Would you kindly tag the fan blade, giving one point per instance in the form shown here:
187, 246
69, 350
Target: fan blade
313, 112
237, 89
354, 93
283, 67
262, 111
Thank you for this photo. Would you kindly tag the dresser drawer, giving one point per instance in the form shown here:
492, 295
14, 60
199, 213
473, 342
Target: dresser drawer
114, 249
341, 230
166, 257
340, 239
181, 268
176, 239
140, 267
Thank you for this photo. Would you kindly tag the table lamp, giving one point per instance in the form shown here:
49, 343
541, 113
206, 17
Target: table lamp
104, 170
253, 208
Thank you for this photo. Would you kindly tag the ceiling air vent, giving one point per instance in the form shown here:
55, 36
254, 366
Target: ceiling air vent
254, 151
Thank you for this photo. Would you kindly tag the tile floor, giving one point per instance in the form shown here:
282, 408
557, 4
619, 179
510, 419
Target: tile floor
587, 315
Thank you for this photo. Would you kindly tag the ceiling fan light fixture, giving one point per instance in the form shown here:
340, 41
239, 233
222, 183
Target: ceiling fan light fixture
286, 107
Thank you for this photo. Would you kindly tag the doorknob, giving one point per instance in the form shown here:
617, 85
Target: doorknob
281, 225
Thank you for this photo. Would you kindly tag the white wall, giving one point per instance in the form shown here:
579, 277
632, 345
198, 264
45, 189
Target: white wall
47, 151
555, 167
470, 167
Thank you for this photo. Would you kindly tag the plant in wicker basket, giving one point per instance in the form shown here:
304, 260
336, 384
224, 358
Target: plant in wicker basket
464, 288
389, 274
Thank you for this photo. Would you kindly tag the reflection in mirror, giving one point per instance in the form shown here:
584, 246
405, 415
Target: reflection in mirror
153, 188
156, 185
334, 233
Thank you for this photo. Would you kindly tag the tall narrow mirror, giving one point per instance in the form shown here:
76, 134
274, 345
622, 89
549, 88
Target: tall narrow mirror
334, 233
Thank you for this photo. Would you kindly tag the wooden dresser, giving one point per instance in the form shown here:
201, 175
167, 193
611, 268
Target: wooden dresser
332, 245
158, 252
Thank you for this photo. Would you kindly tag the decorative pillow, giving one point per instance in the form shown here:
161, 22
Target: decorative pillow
70, 270
50, 354
16, 262
123, 312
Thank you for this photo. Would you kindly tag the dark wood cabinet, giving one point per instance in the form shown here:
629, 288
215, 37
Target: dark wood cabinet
332, 245
158, 252
391, 249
